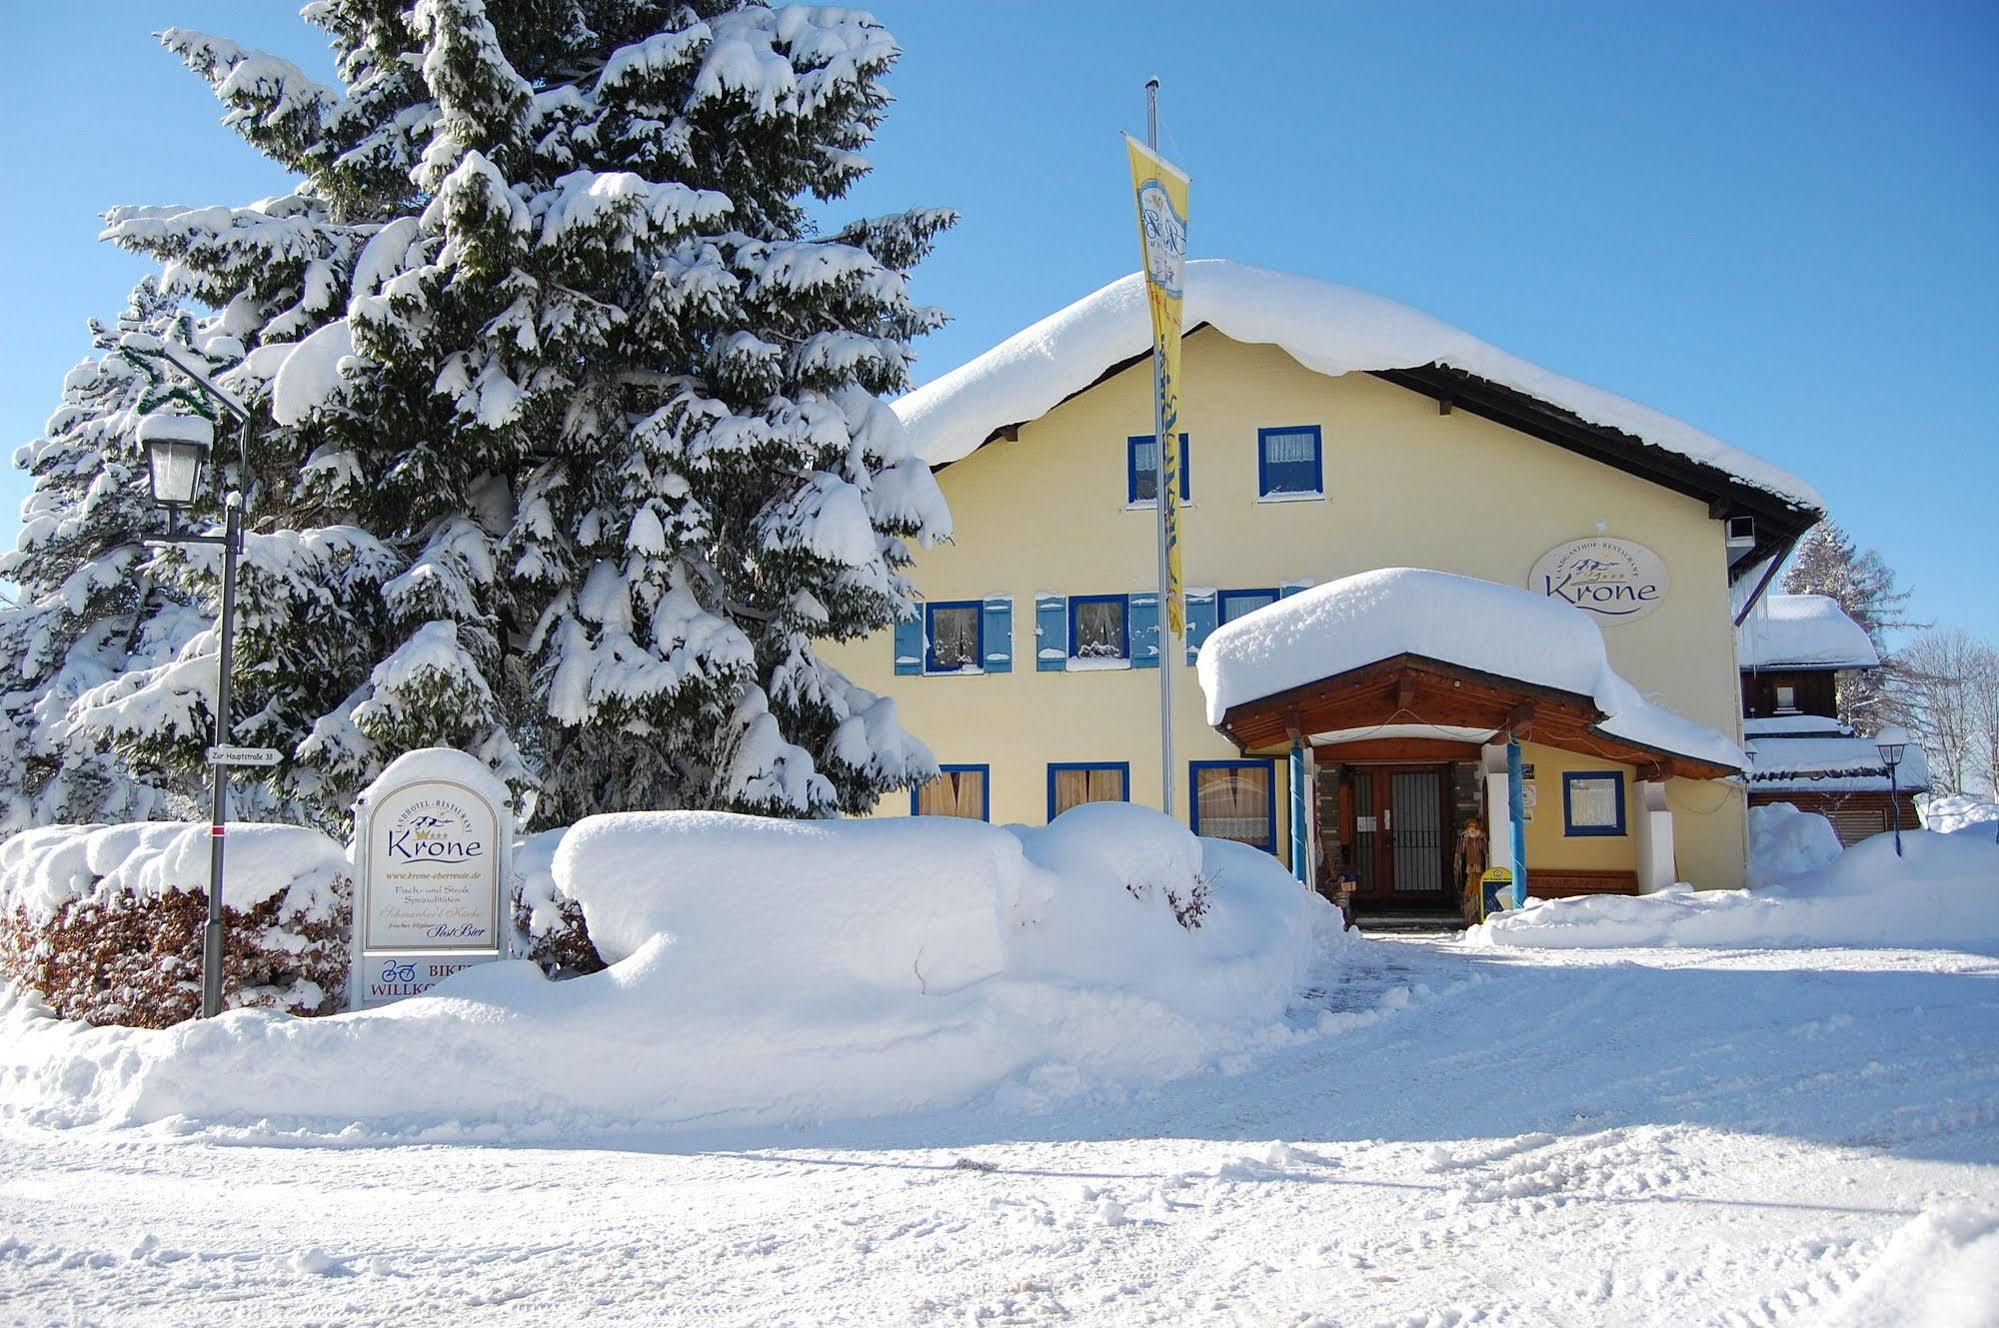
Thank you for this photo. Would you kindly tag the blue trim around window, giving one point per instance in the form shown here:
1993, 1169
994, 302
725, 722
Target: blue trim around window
1263, 481
1570, 778
930, 611
1194, 769
1122, 767
1131, 446
1223, 597
985, 773
1077, 601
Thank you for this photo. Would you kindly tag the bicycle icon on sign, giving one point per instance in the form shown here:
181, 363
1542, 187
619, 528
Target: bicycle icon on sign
395, 972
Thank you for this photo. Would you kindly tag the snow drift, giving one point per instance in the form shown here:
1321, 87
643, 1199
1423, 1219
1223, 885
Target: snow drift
1955, 813
1943, 892
1784, 841
763, 971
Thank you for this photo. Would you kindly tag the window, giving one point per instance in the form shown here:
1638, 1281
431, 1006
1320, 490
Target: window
1098, 627
956, 642
1787, 699
1141, 470
1073, 783
1592, 802
958, 790
1287, 463
1235, 603
1236, 800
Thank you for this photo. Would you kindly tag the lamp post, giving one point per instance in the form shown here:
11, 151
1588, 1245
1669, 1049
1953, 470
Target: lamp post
1890, 742
177, 448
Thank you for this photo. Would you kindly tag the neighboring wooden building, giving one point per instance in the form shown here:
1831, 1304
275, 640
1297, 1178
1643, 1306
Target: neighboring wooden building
1792, 649
1329, 432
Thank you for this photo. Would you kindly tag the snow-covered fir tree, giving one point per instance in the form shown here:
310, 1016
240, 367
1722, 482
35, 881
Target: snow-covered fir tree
1828, 562
91, 607
577, 435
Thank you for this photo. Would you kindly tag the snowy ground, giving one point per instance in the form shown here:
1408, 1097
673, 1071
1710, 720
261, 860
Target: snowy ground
1489, 1136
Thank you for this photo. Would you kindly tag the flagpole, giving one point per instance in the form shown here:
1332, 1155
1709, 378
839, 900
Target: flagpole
1167, 660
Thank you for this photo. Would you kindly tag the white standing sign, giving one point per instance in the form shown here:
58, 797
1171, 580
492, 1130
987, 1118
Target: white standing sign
433, 840
1617, 580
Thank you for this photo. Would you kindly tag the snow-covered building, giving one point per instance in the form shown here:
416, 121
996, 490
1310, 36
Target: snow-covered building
1792, 649
1330, 433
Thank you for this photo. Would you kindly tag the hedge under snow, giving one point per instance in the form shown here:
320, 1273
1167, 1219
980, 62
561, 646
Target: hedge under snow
105, 922
762, 972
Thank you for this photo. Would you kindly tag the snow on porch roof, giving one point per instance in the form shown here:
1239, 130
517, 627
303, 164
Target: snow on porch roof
1804, 631
1325, 326
1503, 631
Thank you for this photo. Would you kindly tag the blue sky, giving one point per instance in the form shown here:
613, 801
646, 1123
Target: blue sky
1779, 222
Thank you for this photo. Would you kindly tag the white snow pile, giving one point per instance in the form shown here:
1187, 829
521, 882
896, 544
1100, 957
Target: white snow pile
762, 971
1803, 630
1784, 841
1958, 813
1939, 1270
44, 868
1943, 892
1326, 327
1504, 630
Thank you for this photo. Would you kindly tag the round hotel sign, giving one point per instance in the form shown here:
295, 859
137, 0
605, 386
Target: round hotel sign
1615, 579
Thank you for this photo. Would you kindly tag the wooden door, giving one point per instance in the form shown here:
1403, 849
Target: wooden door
1397, 820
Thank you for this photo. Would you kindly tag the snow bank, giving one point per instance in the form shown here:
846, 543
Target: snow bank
1326, 327
1504, 630
1956, 813
765, 971
1943, 892
1784, 841
1939, 1270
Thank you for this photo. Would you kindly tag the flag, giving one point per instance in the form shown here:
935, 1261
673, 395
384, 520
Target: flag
1162, 235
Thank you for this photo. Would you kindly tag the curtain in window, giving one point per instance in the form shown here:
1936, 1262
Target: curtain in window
1145, 461
1234, 803
1099, 630
1073, 788
954, 793
1286, 448
955, 638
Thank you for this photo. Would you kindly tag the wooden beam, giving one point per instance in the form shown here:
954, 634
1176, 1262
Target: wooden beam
1397, 749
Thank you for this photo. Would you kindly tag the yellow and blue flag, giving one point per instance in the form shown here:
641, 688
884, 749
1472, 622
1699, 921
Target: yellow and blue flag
1162, 235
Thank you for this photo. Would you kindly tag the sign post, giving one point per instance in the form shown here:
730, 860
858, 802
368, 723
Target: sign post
433, 847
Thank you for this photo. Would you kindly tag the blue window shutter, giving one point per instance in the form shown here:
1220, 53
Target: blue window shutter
999, 634
1051, 633
1201, 612
1142, 619
909, 645
1286, 589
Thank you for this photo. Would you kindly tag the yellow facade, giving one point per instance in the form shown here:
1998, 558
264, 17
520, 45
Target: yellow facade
1406, 485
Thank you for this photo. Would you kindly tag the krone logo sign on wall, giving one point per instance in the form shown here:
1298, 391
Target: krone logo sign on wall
1615, 579
433, 836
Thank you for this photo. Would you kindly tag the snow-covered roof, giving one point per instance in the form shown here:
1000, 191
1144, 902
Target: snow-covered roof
1844, 763
1818, 726
1502, 630
1803, 631
1325, 326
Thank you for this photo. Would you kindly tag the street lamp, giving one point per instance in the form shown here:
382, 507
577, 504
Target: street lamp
177, 446
1889, 742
